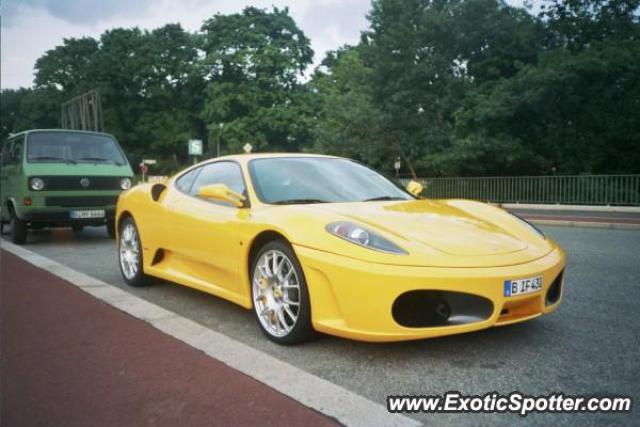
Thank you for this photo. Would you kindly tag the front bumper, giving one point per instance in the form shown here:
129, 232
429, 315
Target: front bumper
62, 216
354, 299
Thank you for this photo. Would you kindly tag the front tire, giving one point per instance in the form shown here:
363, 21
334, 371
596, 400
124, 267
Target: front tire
18, 229
280, 295
130, 254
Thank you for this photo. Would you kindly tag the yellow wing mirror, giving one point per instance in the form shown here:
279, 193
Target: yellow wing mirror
414, 187
223, 193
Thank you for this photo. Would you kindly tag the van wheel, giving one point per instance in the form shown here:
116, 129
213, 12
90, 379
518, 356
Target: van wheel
111, 229
18, 229
77, 228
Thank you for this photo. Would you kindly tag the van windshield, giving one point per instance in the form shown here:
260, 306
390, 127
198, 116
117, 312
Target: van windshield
73, 147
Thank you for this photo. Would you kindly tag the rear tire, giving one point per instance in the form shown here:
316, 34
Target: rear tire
77, 228
18, 229
130, 254
280, 296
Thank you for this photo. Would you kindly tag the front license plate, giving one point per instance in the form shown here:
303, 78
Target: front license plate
522, 286
84, 214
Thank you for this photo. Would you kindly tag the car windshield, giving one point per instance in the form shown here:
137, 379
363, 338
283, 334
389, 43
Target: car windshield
73, 147
298, 180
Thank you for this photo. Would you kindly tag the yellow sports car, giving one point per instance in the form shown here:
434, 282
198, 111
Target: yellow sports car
318, 243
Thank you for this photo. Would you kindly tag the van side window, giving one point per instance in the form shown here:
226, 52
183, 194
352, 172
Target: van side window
16, 152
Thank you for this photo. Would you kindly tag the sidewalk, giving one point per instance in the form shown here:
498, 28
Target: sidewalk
69, 359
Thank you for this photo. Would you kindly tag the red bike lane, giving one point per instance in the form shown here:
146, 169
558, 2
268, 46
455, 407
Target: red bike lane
68, 359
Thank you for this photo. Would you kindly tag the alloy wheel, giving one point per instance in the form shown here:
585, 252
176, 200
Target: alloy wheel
276, 293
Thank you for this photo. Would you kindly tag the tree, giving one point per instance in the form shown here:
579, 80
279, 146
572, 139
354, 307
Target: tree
571, 113
348, 121
576, 24
572, 110
23, 109
172, 90
10, 100
254, 61
69, 68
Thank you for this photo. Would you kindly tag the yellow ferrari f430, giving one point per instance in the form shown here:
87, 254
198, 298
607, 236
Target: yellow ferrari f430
315, 243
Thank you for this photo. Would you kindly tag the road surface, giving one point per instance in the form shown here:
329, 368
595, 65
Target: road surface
589, 346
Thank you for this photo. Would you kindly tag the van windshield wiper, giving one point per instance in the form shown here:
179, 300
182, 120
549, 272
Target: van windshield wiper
381, 198
98, 159
46, 158
299, 201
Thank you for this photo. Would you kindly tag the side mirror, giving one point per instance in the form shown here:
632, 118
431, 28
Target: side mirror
414, 187
223, 193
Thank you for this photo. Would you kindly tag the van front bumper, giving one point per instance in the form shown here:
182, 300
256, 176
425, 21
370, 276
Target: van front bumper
62, 216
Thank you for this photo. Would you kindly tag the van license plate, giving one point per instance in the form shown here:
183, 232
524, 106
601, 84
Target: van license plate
84, 214
522, 286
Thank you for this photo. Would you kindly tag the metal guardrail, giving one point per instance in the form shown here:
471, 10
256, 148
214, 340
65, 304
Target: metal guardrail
621, 190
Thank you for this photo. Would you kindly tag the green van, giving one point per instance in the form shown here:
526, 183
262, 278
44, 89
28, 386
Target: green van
56, 177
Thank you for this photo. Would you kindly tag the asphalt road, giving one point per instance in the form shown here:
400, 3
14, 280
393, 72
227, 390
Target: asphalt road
589, 346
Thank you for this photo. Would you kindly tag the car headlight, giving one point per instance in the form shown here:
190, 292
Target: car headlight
125, 183
36, 184
530, 225
364, 237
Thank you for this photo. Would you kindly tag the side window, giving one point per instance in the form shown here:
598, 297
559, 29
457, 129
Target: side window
16, 152
228, 173
185, 182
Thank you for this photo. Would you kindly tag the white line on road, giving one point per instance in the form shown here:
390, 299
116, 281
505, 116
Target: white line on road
330, 399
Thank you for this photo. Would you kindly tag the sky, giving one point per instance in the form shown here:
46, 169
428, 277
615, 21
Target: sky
31, 27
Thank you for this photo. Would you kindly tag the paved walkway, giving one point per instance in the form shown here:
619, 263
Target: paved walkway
68, 359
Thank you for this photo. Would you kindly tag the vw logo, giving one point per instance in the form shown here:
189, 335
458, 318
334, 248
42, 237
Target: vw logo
85, 182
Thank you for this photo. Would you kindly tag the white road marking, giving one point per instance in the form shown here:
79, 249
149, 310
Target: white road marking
330, 399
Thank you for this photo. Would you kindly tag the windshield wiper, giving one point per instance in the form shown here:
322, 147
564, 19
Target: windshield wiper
381, 198
299, 201
98, 159
46, 158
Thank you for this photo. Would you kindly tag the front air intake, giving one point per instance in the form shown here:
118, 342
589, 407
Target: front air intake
428, 308
555, 290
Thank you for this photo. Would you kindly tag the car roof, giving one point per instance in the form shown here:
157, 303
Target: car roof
28, 131
251, 156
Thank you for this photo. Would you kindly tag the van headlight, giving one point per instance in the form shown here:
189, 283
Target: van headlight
36, 184
362, 236
125, 183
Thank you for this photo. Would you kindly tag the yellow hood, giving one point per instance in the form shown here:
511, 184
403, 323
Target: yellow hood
447, 233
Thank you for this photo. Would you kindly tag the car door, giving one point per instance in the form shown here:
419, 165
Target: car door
204, 233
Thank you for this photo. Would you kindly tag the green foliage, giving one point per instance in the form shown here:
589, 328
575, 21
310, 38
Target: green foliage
478, 87
348, 121
569, 113
253, 63
455, 87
